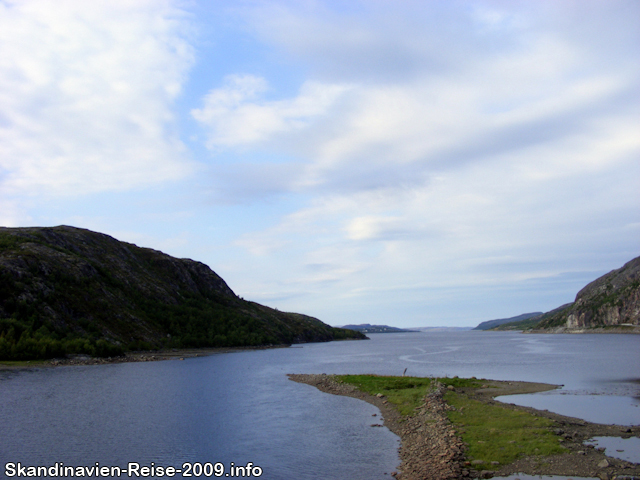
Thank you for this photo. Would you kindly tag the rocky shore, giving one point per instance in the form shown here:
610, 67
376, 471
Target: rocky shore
145, 356
431, 449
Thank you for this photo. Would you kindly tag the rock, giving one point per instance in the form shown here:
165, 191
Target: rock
477, 462
450, 387
581, 452
486, 474
603, 463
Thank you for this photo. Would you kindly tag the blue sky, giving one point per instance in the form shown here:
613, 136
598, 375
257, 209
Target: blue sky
415, 163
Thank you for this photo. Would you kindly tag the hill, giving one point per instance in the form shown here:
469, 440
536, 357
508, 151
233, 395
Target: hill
531, 322
610, 301
368, 328
68, 290
489, 324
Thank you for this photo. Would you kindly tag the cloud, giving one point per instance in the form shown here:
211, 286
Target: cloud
496, 97
235, 114
86, 92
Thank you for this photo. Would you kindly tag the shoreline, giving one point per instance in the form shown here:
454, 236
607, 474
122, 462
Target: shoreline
130, 357
612, 329
431, 449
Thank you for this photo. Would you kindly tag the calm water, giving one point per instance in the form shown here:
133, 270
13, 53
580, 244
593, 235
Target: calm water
241, 407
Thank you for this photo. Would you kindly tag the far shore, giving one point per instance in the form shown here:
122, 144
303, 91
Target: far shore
614, 329
432, 450
142, 356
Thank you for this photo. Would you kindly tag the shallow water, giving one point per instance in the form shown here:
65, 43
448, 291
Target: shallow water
623, 448
241, 407
603, 408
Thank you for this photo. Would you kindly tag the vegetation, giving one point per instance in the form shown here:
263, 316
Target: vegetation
498, 323
496, 433
406, 393
65, 290
492, 432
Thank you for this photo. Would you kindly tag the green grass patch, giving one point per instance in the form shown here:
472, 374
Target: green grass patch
406, 393
460, 382
497, 433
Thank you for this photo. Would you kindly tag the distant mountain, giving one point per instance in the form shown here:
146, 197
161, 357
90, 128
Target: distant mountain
529, 323
368, 328
489, 324
612, 300
441, 329
67, 290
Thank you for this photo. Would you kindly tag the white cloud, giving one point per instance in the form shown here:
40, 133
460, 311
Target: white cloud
86, 90
235, 114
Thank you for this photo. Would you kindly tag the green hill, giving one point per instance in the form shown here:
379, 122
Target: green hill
494, 324
529, 322
368, 328
66, 290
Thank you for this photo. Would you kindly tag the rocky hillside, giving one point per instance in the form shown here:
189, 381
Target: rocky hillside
68, 290
611, 300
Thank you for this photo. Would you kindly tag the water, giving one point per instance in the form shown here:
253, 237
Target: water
623, 448
241, 407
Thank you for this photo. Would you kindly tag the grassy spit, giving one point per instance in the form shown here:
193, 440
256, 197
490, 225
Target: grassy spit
492, 433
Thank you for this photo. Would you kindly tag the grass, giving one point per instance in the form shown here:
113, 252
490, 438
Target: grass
406, 393
493, 433
497, 433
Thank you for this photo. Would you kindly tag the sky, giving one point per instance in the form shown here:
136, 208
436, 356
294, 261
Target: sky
409, 163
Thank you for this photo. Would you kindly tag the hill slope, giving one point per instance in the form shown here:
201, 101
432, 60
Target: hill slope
611, 300
69, 290
489, 324
531, 322
368, 328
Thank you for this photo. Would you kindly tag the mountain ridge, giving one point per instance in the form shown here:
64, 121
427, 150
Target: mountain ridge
610, 302
489, 324
69, 290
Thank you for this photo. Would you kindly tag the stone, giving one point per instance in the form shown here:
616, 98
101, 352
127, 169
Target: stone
603, 463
